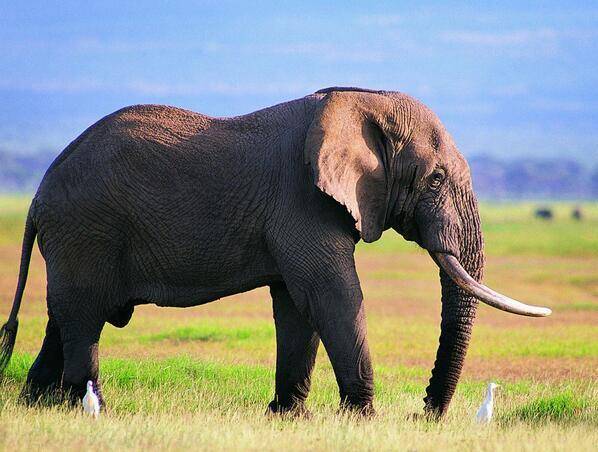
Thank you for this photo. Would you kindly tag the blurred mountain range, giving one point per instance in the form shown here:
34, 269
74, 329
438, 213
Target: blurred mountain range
493, 178
22, 173
533, 178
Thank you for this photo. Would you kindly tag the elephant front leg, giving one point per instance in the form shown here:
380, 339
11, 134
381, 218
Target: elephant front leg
342, 328
296, 348
321, 277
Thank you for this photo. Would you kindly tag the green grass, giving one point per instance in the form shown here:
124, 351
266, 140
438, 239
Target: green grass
216, 385
180, 403
213, 333
563, 407
563, 342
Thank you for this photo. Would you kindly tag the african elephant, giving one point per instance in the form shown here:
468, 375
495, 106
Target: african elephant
154, 204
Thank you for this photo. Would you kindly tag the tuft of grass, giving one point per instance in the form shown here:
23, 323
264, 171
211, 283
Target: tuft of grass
563, 407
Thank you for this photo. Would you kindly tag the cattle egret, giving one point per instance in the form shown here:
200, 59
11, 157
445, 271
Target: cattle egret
484, 415
91, 403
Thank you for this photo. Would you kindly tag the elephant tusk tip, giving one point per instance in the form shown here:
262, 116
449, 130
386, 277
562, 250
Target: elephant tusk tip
460, 277
539, 311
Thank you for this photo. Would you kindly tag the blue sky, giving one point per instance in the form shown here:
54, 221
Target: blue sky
507, 78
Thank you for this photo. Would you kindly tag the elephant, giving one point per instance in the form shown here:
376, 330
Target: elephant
156, 204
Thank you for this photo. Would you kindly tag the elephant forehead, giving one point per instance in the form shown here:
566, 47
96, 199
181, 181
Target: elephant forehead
456, 162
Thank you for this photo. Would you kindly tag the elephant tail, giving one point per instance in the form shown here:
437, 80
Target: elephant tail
8, 332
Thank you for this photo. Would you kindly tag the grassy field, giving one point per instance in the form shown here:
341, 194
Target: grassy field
201, 377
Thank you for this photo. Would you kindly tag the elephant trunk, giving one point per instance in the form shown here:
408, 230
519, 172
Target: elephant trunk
458, 313
460, 278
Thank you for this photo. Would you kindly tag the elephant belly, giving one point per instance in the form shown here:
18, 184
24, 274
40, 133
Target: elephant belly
183, 279
176, 296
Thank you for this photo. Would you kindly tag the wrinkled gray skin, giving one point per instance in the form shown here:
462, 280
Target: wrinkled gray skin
154, 204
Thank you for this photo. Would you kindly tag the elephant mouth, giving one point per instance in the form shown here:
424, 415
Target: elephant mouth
409, 230
450, 264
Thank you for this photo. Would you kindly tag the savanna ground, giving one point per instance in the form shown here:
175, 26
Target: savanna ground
201, 377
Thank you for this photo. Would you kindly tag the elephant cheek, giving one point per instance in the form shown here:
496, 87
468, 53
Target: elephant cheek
439, 229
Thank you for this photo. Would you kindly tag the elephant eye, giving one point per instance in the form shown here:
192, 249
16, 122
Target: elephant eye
437, 178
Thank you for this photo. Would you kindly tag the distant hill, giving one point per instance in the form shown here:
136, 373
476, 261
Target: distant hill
23, 172
525, 178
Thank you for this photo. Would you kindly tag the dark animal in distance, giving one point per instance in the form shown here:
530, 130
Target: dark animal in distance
154, 204
544, 213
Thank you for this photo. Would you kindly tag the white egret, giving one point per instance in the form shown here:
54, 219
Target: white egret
91, 403
484, 415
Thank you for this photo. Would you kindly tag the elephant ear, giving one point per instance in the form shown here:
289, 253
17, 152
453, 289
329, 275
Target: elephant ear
346, 149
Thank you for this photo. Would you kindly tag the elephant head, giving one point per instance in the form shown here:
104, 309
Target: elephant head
389, 160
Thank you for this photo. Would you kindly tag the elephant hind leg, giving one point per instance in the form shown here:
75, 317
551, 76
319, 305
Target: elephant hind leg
80, 315
296, 348
81, 362
45, 375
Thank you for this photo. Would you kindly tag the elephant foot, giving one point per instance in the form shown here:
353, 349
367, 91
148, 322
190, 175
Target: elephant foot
292, 411
72, 396
33, 396
418, 417
365, 411
426, 416
433, 412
